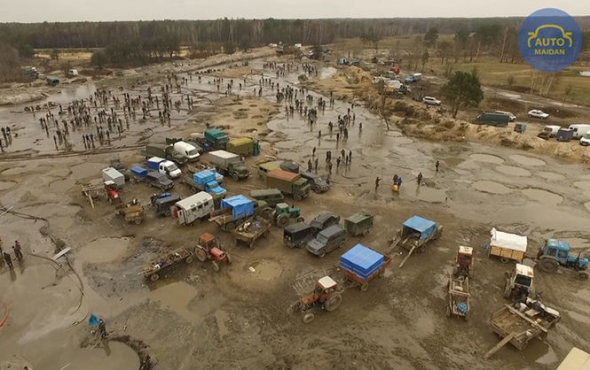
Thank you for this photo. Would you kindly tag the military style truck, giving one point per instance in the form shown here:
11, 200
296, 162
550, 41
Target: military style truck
229, 164
216, 138
163, 151
289, 183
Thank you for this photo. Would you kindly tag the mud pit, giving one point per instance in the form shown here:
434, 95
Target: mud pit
195, 318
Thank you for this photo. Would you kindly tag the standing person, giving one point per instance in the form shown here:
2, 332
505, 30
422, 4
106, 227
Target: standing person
437, 164
377, 180
17, 250
419, 178
313, 152
316, 164
337, 163
309, 166
102, 329
8, 260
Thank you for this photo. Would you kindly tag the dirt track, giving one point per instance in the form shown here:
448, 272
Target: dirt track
199, 319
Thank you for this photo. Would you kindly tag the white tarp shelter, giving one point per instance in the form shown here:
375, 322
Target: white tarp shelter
508, 241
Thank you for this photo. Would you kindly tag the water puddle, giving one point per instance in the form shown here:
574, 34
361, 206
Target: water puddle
430, 195
453, 161
87, 170
584, 185
487, 158
543, 196
61, 186
551, 176
265, 270
104, 250
527, 161
116, 356
468, 165
491, 187
513, 171
6, 184
540, 352
222, 317
176, 298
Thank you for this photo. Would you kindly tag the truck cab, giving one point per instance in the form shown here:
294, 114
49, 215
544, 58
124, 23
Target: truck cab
217, 138
164, 166
187, 150
519, 283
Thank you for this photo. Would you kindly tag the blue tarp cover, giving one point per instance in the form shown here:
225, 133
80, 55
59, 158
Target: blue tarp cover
241, 206
203, 177
423, 226
139, 171
362, 261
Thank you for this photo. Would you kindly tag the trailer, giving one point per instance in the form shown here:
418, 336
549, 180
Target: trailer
111, 174
360, 265
508, 247
252, 230
458, 296
521, 323
157, 267
415, 234
233, 211
131, 212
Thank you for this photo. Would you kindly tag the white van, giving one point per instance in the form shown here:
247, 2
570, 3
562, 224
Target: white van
186, 150
196, 207
585, 140
551, 130
580, 130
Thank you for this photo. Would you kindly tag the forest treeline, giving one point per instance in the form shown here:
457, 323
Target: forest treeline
140, 42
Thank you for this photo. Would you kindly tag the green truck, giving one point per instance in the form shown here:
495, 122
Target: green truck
289, 183
492, 119
242, 146
163, 151
216, 138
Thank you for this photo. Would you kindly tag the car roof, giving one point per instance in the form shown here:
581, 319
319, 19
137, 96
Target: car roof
334, 229
323, 217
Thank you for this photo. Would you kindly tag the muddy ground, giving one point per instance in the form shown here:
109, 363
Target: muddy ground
198, 319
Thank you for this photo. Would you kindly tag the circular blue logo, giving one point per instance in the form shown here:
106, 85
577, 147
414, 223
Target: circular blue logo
549, 40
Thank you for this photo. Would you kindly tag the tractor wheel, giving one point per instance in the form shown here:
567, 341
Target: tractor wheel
201, 254
507, 290
215, 266
308, 317
266, 214
189, 259
333, 302
110, 201
448, 313
297, 197
282, 221
548, 265
230, 226
582, 275
295, 306
455, 272
300, 219
154, 277
228, 259
364, 287
251, 245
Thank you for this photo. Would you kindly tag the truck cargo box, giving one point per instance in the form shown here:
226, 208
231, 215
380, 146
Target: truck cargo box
139, 171
362, 261
203, 177
240, 205
241, 146
113, 175
154, 162
282, 175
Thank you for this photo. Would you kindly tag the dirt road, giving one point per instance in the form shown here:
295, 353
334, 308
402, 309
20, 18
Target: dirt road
198, 319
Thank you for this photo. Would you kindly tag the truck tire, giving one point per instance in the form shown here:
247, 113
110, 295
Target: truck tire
308, 317
235, 176
548, 265
333, 302
297, 197
300, 219
154, 277
364, 287
582, 275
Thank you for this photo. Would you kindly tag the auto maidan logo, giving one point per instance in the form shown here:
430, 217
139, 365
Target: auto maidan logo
549, 40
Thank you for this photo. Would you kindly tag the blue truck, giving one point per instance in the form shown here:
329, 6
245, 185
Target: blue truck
556, 253
415, 234
206, 181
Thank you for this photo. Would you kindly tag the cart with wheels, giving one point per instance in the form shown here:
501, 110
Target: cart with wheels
458, 297
252, 230
166, 262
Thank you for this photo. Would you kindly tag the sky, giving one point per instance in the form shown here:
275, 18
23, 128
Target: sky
28, 11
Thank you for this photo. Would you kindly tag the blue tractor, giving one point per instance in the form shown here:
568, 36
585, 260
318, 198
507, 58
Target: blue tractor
556, 253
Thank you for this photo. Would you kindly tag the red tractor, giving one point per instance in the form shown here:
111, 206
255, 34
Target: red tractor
464, 263
326, 296
209, 249
112, 192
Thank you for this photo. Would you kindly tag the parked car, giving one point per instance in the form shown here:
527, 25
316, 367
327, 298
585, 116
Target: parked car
511, 115
429, 100
535, 113
327, 240
324, 220
585, 140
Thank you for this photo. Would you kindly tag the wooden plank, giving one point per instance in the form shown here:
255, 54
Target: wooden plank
61, 253
408, 256
526, 318
500, 344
